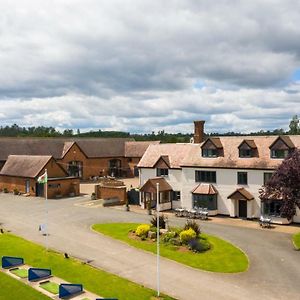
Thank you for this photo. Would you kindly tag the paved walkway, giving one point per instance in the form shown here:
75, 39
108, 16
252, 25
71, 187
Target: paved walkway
226, 221
273, 273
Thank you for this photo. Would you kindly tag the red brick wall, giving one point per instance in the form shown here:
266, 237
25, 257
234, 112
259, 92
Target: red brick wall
65, 187
18, 183
104, 192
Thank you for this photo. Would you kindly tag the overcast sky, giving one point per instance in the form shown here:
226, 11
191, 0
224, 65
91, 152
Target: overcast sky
150, 65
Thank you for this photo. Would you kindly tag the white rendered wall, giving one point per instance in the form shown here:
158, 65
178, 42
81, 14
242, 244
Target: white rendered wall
184, 181
225, 185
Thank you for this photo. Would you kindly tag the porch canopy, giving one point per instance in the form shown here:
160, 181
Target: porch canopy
204, 189
150, 185
241, 194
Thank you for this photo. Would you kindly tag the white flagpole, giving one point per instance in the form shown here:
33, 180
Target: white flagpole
157, 239
46, 204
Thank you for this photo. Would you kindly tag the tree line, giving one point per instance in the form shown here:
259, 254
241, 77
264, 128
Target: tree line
42, 131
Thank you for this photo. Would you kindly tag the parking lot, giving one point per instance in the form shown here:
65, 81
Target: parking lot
274, 265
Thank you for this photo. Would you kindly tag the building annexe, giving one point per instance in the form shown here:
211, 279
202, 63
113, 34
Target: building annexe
20, 173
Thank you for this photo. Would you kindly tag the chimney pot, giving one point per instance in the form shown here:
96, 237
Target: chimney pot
199, 132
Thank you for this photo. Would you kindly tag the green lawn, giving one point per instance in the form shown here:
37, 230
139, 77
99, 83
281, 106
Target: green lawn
22, 273
222, 257
296, 240
94, 280
13, 289
51, 287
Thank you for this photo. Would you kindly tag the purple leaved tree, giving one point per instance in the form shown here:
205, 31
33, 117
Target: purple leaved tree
285, 185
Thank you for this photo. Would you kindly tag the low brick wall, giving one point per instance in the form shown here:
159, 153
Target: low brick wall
111, 192
63, 187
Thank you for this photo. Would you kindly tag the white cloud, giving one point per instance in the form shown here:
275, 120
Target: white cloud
132, 64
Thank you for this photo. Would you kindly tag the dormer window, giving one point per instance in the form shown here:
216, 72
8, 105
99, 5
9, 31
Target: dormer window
212, 148
162, 166
281, 147
247, 149
162, 172
245, 153
209, 152
279, 153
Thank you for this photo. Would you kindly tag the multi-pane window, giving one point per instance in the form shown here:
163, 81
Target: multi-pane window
162, 172
279, 153
272, 208
176, 195
245, 153
205, 176
267, 177
205, 201
242, 178
209, 152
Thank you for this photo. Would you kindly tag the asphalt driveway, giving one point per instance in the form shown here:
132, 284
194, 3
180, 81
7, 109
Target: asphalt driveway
274, 271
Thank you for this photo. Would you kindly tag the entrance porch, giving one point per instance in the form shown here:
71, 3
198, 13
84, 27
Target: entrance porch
241, 204
148, 194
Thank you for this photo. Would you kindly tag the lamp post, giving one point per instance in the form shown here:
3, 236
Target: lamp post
157, 239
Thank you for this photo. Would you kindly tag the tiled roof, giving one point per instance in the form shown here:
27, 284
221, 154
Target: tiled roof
104, 147
250, 143
24, 165
137, 149
231, 159
241, 194
286, 139
204, 189
150, 185
58, 147
175, 152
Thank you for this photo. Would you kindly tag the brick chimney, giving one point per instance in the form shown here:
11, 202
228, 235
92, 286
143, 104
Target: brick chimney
199, 132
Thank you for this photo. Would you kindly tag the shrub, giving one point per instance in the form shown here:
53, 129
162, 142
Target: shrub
169, 235
5, 190
197, 245
175, 241
162, 221
187, 235
153, 228
16, 192
142, 230
193, 225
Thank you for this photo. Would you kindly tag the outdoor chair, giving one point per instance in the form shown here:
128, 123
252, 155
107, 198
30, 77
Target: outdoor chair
265, 222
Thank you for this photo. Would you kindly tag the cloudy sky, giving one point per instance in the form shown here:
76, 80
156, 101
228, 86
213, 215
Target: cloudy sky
150, 65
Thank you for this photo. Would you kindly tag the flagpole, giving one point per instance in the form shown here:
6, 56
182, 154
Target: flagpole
46, 204
157, 239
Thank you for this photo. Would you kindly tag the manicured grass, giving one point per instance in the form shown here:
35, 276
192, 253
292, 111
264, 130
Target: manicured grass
296, 240
13, 289
97, 281
222, 257
22, 273
51, 287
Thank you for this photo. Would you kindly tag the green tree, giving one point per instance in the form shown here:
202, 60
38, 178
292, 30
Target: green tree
285, 185
294, 125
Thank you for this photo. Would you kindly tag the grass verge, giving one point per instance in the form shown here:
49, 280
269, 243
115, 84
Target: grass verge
51, 287
22, 273
12, 289
222, 257
296, 240
95, 280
